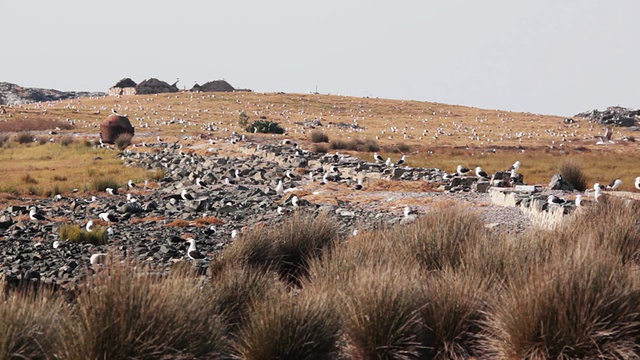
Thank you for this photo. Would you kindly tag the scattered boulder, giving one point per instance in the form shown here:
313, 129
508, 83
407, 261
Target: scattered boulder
214, 86
559, 183
113, 126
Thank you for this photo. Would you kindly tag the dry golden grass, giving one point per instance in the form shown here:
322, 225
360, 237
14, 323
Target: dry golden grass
39, 169
210, 220
465, 135
178, 223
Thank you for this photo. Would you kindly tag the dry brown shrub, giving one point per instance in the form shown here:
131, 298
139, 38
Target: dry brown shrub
211, 220
178, 223
147, 219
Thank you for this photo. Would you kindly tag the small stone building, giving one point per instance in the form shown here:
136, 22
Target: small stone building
113, 126
125, 86
155, 86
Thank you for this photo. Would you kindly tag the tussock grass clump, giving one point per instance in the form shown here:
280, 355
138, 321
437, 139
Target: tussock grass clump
235, 288
28, 179
286, 327
101, 184
74, 233
59, 178
123, 141
28, 324
4, 139
617, 230
368, 145
317, 136
124, 313
42, 140
320, 148
287, 248
572, 172
440, 238
404, 148
583, 306
24, 137
453, 304
381, 315
66, 140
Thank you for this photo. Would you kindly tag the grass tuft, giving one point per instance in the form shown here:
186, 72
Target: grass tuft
101, 184
66, 140
29, 324
24, 137
123, 313
318, 136
123, 141
572, 172
73, 233
286, 327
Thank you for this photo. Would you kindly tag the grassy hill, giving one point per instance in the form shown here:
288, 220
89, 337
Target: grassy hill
431, 134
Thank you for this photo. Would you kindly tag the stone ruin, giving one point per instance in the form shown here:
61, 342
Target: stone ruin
612, 116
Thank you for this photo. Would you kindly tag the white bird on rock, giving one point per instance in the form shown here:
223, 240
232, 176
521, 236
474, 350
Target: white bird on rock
108, 217
614, 185
192, 252
34, 215
480, 173
280, 188
402, 160
185, 195
637, 183
378, 158
462, 171
89, 226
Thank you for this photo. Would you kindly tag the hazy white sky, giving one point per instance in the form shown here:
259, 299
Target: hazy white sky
544, 56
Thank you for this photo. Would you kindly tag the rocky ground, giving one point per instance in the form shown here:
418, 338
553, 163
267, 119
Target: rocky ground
155, 219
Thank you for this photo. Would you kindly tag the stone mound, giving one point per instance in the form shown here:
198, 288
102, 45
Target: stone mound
113, 126
155, 86
612, 116
214, 86
125, 83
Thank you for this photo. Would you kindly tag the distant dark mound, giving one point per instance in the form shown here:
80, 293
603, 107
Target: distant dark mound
11, 94
125, 83
612, 116
214, 86
155, 86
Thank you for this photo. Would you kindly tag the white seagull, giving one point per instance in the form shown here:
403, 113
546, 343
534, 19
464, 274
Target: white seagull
185, 195
98, 259
34, 215
578, 200
359, 184
614, 185
111, 191
462, 171
201, 183
402, 161
515, 166
234, 234
280, 188
597, 194
637, 183
606, 139
378, 158
294, 201
89, 226
552, 199
131, 184
108, 217
389, 163
192, 252
597, 186
480, 173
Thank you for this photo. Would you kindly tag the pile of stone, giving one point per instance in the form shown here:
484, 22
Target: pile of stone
153, 221
612, 116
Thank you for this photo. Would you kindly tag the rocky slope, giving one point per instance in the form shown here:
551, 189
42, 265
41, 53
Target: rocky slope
12, 94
